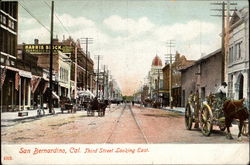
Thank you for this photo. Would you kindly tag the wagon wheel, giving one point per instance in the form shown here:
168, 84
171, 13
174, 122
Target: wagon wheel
245, 129
188, 117
205, 118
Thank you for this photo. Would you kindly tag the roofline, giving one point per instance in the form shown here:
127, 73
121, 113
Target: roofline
202, 59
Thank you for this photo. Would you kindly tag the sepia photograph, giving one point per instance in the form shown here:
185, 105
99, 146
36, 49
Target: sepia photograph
124, 81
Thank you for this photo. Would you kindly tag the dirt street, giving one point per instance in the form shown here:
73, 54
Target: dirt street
120, 125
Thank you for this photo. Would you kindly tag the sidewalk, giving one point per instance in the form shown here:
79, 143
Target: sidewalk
175, 109
10, 118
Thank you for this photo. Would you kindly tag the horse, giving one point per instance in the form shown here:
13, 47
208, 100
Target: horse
100, 107
234, 109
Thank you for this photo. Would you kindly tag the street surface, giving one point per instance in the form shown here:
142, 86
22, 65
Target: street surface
121, 124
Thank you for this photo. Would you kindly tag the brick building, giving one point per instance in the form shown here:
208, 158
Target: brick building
179, 62
17, 69
64, 64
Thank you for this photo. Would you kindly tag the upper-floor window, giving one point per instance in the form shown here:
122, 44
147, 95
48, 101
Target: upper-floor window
4, 20
235, 52
64, 75
238, 48
230, 59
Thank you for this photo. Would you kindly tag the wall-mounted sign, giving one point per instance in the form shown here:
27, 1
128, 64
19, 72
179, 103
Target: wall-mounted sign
46, 48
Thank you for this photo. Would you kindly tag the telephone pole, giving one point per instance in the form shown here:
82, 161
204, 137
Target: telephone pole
222, 15
170, 45
98, 57
103, 82
87, 42
158, 85
51, 59
76, 65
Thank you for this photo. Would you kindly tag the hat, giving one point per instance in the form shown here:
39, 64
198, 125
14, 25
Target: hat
224, 84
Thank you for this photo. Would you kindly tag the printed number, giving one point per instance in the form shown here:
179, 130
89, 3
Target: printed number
7, 158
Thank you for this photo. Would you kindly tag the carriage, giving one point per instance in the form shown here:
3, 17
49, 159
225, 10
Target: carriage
67, 105
207, 114
97, 106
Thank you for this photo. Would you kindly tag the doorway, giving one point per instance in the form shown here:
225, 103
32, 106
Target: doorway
241, 84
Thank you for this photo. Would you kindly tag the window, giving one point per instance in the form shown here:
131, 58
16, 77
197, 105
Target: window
13, 25
239, 50
4, 20
9, 23
230, 59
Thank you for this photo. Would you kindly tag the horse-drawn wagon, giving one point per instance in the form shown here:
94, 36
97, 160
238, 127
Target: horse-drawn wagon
97, 106
216, 111
67, 105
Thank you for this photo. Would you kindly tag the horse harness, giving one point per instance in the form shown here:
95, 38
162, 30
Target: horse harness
236, 109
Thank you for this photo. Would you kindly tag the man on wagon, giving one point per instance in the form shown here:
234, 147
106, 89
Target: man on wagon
221, 97
222, 91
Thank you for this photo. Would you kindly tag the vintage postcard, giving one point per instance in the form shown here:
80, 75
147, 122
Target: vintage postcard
124, 81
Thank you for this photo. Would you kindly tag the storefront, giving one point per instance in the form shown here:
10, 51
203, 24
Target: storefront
15, 89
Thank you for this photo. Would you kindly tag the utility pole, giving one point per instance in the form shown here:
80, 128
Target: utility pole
223, 54
76, 65
103, 82
158, 86
170, 45
87, 42
107, 84
51, 59
98, 57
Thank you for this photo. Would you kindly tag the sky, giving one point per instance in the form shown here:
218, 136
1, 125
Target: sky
128, 34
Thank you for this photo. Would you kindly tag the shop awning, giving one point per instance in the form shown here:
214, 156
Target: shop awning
22, 73
34, 83
85, 93
26, 74
55, 95
12, 69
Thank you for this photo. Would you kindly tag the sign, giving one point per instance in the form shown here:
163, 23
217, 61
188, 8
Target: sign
45, 48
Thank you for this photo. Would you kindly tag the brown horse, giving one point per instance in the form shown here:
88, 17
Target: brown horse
100, 107
234, 109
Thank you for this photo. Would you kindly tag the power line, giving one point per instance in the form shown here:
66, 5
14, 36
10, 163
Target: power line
58, 19
22, 5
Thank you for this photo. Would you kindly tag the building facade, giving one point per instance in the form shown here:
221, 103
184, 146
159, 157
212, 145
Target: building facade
204, 76
178, 63
155, 80
66, 69
17, 68
238, 56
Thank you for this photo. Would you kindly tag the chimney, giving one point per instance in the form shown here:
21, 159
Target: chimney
55, 41
36, 41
